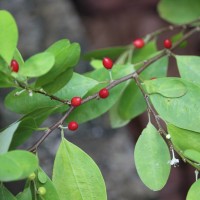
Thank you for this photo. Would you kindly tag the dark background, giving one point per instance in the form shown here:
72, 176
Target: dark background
97, 24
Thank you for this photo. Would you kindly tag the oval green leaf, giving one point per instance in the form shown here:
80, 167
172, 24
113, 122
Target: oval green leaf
192, 155
16, 165
194, 191
152, 158
6, 137
188, 67
80, 179
37, 65
184, 139
180, 111
167, 87
8, 36
179, 11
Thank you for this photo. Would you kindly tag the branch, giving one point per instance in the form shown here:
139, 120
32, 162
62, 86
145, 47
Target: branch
113, 84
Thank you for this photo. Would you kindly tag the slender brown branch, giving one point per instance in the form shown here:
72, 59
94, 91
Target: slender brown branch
43, 93
113, 84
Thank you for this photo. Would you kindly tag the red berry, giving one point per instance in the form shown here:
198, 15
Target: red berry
76, 101
72, 126
138, 43
107, 63
103, 93
14, 66
153, 78
167, 43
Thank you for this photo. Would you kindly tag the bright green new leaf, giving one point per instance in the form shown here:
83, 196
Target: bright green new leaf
77, 86
5, 194
184, 139
194, 192
44, 181
167, 87
112, 52
189, 68
179, 11
17, 165
6, 137
80, 179
180, 111
37, 65
25, 195
152, 158
8, 36
66, 56
192, 155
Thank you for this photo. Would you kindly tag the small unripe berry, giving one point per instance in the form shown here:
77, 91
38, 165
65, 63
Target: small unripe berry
41, 191
103, 93
32, 176
107, 63
138, 43
76, 101
167, 43
14, 66
72, 126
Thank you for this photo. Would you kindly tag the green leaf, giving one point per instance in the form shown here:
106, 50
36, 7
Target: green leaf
37, 65
167, 87
192, 155
180, 111
66, 56
116, 120
51, 192
6, 137
80, 179
77, 86
96, 64
184, 139
17, 56
179, 11
6, 80
177, 37
188, 67
5, 194
16, 165
8, 36
194, 191
152, 158
132, 102
145, 52
25, 195
28, 124
42, 177
157, 69
59, 82
112, 52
